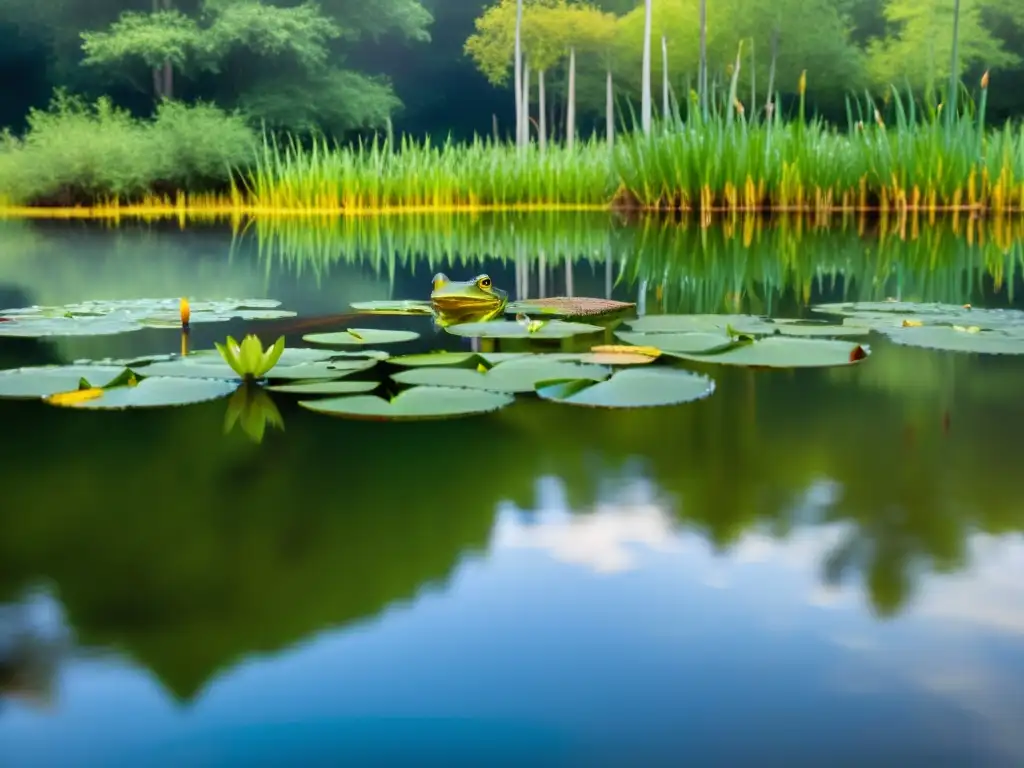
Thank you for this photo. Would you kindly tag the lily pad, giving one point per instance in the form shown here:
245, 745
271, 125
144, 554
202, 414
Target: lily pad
40, 327
172, 319
691, 342
413, 404
45, 380
510, 376
821, 329
959, 339
784, 352
360, 336
326, 387
701, 323
569, 306
469, 359
290, 356
631, 388
205, 368
400, 307
158, 392
509, 329
163, 312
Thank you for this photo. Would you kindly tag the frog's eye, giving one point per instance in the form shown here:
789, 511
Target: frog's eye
484, 282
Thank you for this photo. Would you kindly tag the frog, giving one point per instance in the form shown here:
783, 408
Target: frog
470, 301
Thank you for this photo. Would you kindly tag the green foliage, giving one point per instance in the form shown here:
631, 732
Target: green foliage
151, 38
77, 152
919, 49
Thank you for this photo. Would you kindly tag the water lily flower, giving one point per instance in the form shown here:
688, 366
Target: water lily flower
186, 312
248, 359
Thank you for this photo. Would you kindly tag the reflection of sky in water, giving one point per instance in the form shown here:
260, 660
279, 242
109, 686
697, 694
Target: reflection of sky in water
606, 634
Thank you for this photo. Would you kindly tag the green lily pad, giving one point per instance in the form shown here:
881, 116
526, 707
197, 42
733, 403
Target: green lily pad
360, 336
821, 329
41, 327
158, 392
631, 388
173, 319
209, 368
326, 387
691, 342
290, 356
45, 380
950, 339
469, 359
510, 376
509, 329
400, 307
784, 352
412, 404
890, 307
144, 313
700, 323
885, 315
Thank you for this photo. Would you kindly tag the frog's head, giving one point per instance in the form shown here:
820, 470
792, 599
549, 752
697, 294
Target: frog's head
473, 300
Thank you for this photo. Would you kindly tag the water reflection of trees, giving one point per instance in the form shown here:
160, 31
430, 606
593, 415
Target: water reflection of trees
770, 266
187, 549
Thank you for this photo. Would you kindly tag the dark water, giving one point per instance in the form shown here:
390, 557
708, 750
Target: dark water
821, 567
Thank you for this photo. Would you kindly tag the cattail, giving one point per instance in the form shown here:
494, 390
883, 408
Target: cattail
803, 83
186, 312
739, 105
984, 80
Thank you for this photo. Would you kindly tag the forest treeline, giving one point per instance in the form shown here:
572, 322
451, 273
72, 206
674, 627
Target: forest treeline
443, 66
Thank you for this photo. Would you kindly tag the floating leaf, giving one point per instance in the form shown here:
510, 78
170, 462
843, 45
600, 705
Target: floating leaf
401, 307
45, 380
821, 329
689, 342
32, 327
436, 358
413, 404
700, 323
510, 376
157, 392
204, 368
568, 306
632, 388
884, 315
784, 352
326, 387
508, 329
290, 355
360, 336
959, 339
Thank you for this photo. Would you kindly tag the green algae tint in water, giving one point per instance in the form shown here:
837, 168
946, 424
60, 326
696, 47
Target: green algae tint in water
808, 567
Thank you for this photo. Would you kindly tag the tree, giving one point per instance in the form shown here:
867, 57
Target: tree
919, 50
283, 68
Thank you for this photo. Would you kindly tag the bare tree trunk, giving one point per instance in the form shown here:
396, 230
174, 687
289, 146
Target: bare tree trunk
954, 73
494, 126
771, 72
568, 276
570, 110
702, 68
609, 109
519, 74
645, 80
542, 116
168, 70
664, 78
526, 102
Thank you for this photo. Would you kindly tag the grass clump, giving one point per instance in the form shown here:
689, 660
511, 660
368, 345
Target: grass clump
76, 153
377, 176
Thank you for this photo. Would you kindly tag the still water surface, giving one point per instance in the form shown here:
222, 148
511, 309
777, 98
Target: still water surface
808, 568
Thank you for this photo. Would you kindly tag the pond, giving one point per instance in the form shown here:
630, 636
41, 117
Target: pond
807, 566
